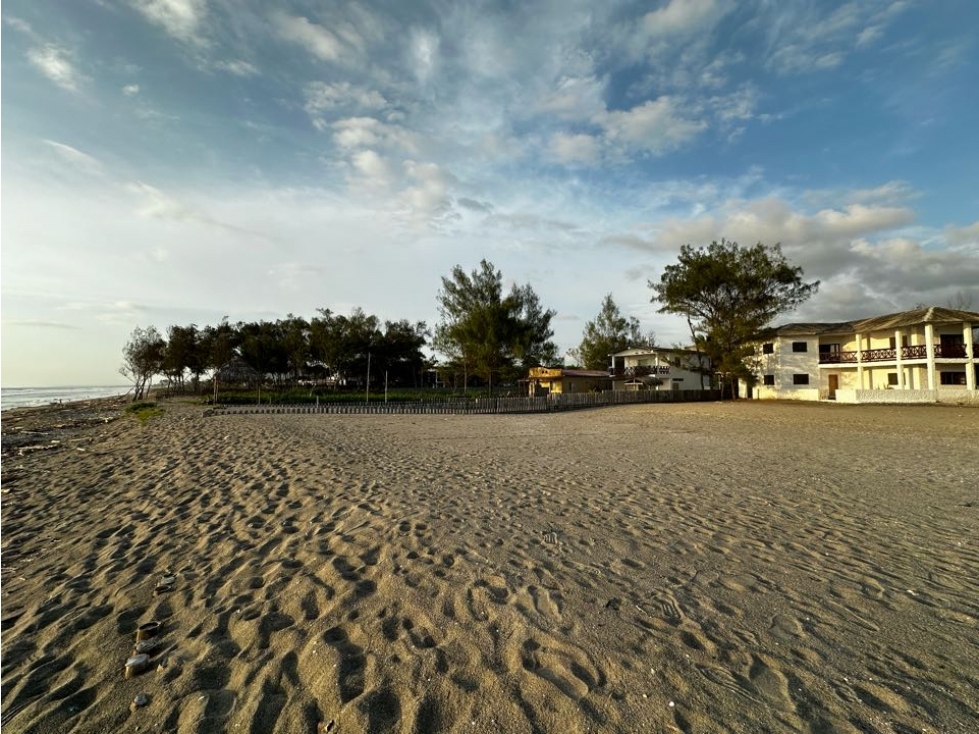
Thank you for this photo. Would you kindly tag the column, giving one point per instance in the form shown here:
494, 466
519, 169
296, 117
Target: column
930, 347
859, 361
900, 362
970, 362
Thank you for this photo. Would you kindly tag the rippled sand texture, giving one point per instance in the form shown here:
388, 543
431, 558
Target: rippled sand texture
693, 567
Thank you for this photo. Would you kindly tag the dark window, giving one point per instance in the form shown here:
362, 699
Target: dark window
800, 379
800, 347
767, 348
892, 378
904, 341
769, 379
829, 348
953, 378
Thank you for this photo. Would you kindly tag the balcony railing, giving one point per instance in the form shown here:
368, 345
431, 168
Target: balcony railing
918, 351
640, 371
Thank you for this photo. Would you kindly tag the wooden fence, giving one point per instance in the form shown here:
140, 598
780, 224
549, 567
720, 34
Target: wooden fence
481, 406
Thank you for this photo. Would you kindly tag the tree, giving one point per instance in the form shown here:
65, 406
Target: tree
492, 335
180, 354
342, 343
142, 358
399, 352
729, 296
295, 336
609, 333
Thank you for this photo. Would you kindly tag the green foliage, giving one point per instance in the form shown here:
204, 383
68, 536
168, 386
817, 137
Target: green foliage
729, 296
142, 358
144, 411
609, 333
484, 332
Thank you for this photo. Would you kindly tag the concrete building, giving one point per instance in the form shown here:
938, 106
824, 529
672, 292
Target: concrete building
554, 381
925, 355
658, 369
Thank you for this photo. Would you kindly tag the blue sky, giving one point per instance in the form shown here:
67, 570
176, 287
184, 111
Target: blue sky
176, 161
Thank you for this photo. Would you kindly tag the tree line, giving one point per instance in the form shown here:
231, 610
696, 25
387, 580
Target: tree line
728, 295
283, 351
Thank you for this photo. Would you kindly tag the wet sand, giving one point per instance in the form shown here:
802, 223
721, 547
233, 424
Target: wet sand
716, 567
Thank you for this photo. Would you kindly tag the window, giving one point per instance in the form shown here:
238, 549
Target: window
769, 379
800, 347
892, 379
829, 348
800, 379
953, 378
893, 342
767, 348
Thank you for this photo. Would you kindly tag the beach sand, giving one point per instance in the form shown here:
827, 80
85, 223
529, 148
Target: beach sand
708, 567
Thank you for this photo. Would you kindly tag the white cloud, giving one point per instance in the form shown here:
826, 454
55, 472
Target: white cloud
182, 19
738, 105
321, 96
684, 17
130, 90
19, 24
75, 156
571, 149
56, 64
372, 170
237, 67
656, 126
892, 192
316, 39
423, 54
812, 38
368, 132
575, 98
959, 236
869, 35
428, 196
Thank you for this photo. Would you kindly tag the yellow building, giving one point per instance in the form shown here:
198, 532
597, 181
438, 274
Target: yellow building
554, 381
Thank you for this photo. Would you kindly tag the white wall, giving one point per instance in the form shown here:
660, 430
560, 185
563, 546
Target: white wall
886, 396
783, 363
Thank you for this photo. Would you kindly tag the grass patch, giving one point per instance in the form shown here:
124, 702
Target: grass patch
144, 411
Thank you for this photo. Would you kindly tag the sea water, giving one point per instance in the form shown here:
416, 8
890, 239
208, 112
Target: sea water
19, 397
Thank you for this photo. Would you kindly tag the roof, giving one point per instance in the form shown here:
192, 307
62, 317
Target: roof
637, 352
901, 319
547, 373
927, 315
801, 329
237, 370
584, 373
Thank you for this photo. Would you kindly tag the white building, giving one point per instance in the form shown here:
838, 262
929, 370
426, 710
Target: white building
658, 369
924, 355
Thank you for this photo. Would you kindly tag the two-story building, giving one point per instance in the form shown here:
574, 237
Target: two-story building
924, 355
658, 369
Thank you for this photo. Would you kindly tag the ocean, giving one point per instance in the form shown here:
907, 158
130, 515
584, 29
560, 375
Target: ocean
19, 397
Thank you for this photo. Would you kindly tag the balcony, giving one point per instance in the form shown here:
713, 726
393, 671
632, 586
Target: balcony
640, 371
918, 351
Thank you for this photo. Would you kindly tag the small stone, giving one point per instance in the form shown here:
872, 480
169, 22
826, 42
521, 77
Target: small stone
672, 704
141, 699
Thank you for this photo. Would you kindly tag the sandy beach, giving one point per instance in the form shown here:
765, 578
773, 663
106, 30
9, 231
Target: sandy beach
708, 567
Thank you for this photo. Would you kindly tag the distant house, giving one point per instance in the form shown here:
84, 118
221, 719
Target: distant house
923, 355
554, 381
658, 369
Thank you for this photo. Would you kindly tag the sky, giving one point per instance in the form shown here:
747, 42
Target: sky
178, 161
